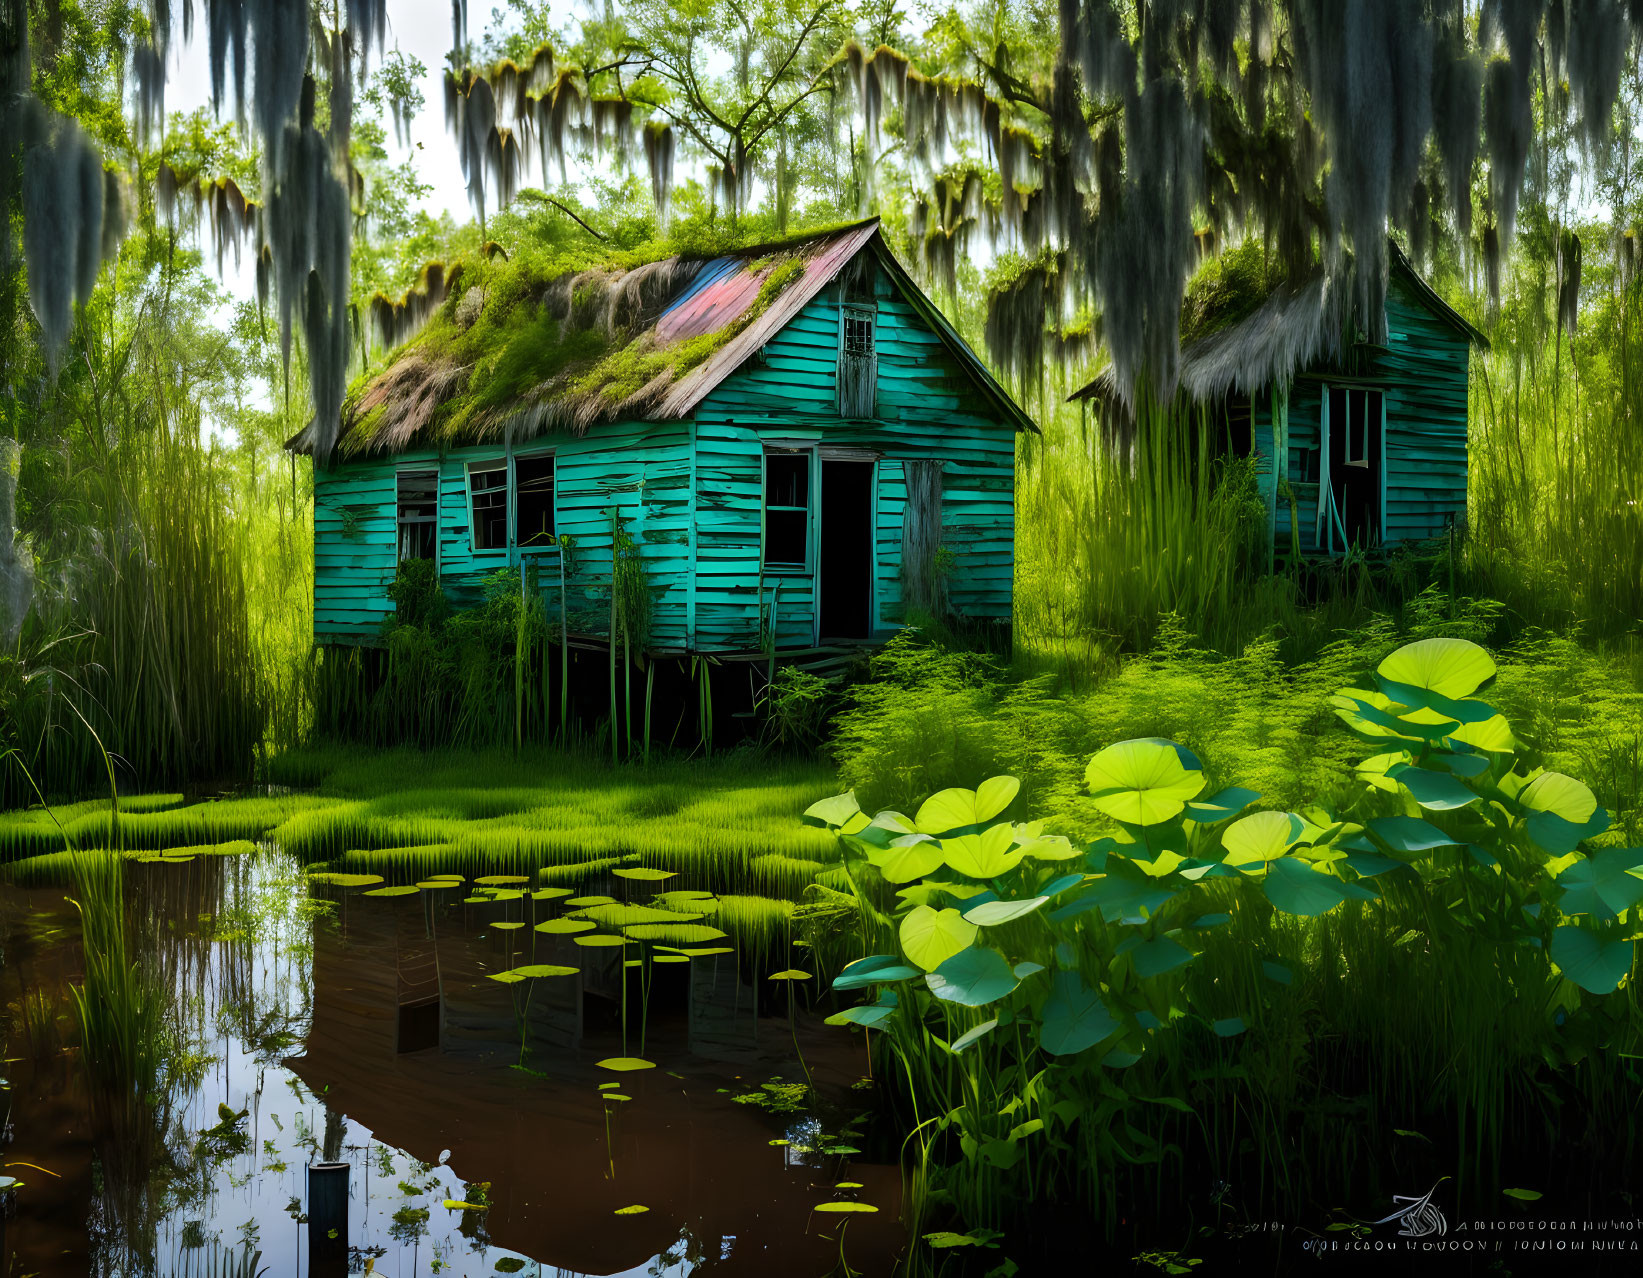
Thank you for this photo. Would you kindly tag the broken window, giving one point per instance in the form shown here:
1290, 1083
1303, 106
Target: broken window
488, 501
787, 511
533, 500
418, 513
1362, 411
858, 362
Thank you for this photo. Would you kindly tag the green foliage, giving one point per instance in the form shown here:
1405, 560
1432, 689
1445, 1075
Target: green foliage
1069, 1016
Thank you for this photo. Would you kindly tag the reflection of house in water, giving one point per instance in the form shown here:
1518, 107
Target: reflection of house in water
716, 1187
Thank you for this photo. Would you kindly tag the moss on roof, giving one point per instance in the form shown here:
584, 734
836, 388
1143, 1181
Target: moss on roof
553, 336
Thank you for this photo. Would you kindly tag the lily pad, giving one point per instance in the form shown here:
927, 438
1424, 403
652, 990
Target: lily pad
545, 969
633, 1209
625, 1064
502, 880
403, 889
644, 873
602, 940
791, 974
566, 926
845, 1207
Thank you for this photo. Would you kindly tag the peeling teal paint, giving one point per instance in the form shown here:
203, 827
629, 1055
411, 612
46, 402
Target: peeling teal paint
692, 492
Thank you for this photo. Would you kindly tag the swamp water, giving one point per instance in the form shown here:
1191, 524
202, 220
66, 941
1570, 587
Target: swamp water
480, 1131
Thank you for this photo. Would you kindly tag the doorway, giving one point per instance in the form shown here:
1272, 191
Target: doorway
844, 580
1354, 443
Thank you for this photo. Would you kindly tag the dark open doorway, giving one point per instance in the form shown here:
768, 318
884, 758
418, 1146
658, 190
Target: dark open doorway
845, 579
1354, 467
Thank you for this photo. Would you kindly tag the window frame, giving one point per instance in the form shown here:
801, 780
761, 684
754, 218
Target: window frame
541, 547
783, 568
400, 472
867, 312
488, 466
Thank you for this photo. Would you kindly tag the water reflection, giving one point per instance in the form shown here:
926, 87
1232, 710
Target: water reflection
459, 1163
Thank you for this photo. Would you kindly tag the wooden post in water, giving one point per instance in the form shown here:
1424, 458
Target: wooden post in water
327, 1220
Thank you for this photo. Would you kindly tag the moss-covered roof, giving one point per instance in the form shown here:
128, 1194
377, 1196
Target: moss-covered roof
557, 340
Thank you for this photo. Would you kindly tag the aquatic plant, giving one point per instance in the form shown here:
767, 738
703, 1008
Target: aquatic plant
1179, 969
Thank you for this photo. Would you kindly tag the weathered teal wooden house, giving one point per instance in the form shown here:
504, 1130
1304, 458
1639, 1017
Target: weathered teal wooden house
1359, 444
789, 434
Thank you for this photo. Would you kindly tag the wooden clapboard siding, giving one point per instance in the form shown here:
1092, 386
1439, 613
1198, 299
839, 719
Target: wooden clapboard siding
1425, 366
692, 494
1423, 371
925, 408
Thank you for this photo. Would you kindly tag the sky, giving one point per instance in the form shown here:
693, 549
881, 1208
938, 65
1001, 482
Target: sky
420, 29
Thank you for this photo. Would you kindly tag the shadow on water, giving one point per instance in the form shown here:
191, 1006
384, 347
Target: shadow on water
479, 1133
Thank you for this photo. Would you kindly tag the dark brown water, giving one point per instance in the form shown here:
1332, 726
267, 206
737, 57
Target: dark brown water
296, 1021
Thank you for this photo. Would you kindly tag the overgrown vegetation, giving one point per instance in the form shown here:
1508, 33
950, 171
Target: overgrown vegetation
1426, 963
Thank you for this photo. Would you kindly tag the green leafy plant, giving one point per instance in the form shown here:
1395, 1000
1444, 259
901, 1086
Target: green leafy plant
1015, 976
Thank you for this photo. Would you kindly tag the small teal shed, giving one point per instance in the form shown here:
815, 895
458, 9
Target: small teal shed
797, 442
1359, 444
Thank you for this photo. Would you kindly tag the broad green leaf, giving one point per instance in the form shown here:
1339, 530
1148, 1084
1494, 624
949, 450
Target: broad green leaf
1074, 1018
1221, 805
545, 969
1451, 668
1493, 736
1370, 864
1440, 791
625, 1064
1155, 957
1276, 972
1603, 883
1591, 963
947, 810
1558, 836
566, 926
833, 812
1409, 834
844, 1207
1120, 900
930, 937
1561, 796
992, 913
994, 795
1373, 771
1142, 782
1047, 847
867, 1015
908, 859
402, 890
872, 970
973, 977
644, 873
1522, 1195
1261, 836
973, 1035
982, 856
1229, 1027
1297, 889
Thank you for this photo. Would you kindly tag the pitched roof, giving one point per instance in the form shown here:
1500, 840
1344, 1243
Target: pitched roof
1298, 324
604, 343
